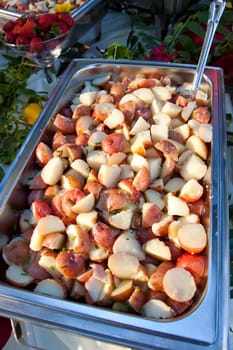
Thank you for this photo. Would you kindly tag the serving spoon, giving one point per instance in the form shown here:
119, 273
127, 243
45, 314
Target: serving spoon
215, 12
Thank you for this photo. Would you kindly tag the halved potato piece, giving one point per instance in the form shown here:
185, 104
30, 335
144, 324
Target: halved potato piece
156, 308
179, 284
51, 287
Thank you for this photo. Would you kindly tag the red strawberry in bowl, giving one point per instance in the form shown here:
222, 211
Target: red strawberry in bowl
65, 17
29, 28
36, 45
8, 26
21, 40
41, 38
45, 21
17, 29
62, 26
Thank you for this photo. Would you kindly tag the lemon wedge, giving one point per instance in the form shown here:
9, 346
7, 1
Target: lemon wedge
31, 112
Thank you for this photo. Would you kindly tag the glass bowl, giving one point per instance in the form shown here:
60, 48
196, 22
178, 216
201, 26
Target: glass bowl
44, 53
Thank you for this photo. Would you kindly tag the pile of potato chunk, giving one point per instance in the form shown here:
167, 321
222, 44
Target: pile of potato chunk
117, 208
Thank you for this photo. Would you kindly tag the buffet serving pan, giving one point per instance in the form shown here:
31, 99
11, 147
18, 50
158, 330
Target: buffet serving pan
207, 324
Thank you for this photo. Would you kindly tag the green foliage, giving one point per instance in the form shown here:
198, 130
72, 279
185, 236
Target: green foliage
138, 44
14, 95
186, 37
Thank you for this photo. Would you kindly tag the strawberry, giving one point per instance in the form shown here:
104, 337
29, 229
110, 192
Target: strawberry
65, 17
20, 21
8, 26
45, 21
62, 27
17, 29
36, 44
10, 38
21, 40
29, 27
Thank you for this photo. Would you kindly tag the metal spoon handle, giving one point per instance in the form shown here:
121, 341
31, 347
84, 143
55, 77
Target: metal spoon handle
215, 13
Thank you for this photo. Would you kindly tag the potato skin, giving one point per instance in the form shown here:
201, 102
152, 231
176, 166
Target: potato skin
70, 264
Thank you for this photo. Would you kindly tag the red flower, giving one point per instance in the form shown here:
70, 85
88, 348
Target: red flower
159, 54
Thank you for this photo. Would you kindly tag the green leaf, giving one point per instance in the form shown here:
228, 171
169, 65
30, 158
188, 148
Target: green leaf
196, 28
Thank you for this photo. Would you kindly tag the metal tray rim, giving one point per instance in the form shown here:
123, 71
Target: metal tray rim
159, 329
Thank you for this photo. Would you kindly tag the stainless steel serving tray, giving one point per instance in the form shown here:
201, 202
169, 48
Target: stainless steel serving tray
207, 326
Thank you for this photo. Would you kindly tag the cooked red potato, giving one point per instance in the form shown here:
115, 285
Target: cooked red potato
142, 275
157, 309
187, 110
81, 167
137, 299
84, 204
202, 115
87, 98
179, 284
191, 191
122, 291
151, 213
140, 125
54, 241
16, 251
35, 270
47, 261
115, 211
51, 287
97, 254
128, 243
70, 264
84, 124
78, 239
114, 199
81, 110
195, 264
142, 179
171, 109
16, 275
87, 220
193, 168
64, 124
115, 119
43, 153
121, 220
173, 232
40, 209
167, 148
123, 265
49, 224
162, 93
77, 291
195, 144
161, 228
174, 185
176, 206
109, 175
69, 182
144, 94
192, 237
158, 249
155, 282
103, 236
168, 168
52, 171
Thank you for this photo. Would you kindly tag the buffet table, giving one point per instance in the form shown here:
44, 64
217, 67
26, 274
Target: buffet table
34, 335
